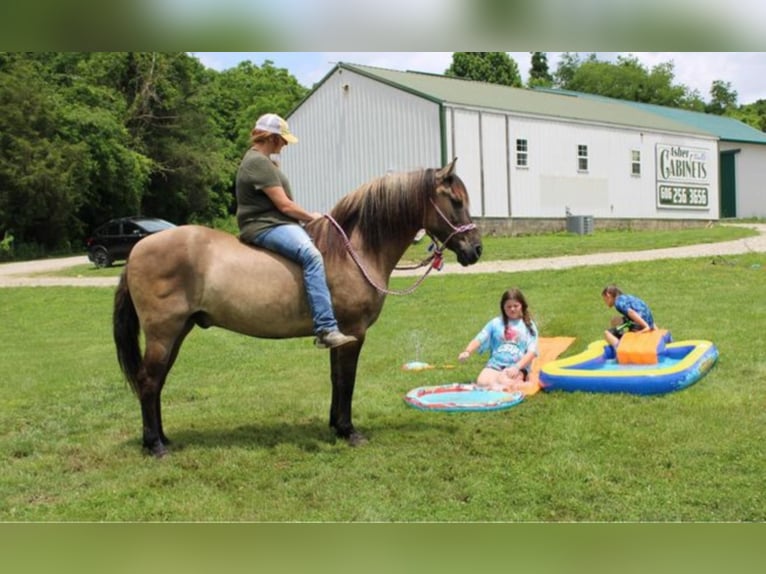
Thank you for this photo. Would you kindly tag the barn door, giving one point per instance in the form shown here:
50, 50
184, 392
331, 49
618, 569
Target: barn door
728, 184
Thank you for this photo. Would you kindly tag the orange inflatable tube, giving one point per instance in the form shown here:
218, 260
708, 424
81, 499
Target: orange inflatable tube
641, 348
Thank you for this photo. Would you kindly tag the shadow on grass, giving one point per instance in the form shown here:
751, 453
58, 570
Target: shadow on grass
310, 436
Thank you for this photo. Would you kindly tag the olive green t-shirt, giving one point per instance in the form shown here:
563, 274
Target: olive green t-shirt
255, 211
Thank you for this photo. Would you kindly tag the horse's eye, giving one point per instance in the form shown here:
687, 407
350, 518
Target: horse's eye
456, 203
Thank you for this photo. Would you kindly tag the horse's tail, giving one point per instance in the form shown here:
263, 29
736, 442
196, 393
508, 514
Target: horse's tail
126, 330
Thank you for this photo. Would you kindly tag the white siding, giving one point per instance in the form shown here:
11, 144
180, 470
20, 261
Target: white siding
465, 145
750, 169
353, 129
495, 165
477, 139
551, 182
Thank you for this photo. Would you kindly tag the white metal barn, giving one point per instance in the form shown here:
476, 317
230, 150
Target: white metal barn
523, 154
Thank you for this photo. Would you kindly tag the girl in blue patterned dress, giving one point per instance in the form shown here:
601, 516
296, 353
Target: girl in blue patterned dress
511, 339
635, 315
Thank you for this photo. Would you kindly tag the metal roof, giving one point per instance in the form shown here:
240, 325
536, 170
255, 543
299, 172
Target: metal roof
727, 129
524, 101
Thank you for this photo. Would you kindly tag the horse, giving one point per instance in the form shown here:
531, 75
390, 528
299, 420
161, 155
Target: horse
193, 275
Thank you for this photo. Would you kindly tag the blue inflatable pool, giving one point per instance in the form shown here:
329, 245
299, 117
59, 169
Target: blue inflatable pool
596, 370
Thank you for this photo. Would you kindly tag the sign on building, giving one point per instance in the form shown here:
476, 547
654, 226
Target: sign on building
683, 179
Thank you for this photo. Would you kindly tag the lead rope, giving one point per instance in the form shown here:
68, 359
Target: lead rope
350, 249
436, 259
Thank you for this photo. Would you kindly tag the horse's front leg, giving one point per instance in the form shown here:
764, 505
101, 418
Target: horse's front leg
343, 363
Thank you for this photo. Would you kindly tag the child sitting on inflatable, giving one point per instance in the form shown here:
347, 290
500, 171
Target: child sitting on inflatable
635, 314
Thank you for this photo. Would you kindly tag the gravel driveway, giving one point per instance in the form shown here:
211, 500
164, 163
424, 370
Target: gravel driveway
32, 273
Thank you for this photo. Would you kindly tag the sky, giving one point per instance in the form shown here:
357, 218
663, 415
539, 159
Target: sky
746, 71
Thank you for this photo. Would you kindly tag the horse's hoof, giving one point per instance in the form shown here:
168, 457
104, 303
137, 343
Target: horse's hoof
157, 451
357, 439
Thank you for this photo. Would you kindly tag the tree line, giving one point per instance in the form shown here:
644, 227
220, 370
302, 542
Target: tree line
85, 137
625, 79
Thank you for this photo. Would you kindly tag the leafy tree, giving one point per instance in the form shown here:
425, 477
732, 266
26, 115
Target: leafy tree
169, 125
722, 98
237, 96
492, 67
85, 137
752, 114
627, 79
539, 74
115, 176
569, 62
40, 168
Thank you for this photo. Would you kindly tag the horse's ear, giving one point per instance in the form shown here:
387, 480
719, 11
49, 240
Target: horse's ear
447, 170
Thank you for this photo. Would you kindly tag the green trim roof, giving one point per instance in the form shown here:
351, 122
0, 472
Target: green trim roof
727, 129
469, 93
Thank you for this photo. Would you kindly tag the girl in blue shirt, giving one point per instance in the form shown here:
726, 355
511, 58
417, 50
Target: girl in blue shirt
511, 340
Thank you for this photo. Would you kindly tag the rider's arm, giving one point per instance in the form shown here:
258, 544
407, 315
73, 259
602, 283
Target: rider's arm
287, 206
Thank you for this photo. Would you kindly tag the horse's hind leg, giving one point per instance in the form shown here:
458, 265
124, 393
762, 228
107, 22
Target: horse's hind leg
171, 360
343, 363
159, 357
152, 378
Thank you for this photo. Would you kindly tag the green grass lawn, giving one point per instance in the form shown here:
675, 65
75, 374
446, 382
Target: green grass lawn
600, 241
249, 418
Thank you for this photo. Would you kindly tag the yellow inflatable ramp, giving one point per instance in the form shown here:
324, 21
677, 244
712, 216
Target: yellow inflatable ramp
641, 348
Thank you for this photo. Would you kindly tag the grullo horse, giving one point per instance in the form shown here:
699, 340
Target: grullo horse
193, 275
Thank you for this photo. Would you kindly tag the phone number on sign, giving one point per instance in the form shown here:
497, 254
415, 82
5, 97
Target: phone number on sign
673, 195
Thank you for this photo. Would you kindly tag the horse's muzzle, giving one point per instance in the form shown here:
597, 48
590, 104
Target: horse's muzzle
469, 253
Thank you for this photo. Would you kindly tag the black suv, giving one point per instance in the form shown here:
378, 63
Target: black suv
114, 239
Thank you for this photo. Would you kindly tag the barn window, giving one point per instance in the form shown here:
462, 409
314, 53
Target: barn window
582, 158
635, 162
521, 153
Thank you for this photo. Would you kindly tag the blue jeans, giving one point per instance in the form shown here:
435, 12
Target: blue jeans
292, 241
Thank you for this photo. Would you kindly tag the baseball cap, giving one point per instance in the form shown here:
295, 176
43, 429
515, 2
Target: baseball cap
274, 124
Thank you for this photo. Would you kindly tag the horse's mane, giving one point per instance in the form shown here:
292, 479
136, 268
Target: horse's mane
387, 208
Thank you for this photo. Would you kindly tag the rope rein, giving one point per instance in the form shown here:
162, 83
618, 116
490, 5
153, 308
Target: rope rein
435, 258
355, 257
422, 262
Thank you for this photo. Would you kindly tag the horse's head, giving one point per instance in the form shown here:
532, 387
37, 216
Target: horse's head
448, 219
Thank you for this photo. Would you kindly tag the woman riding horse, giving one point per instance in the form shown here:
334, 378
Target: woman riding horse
268, 217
